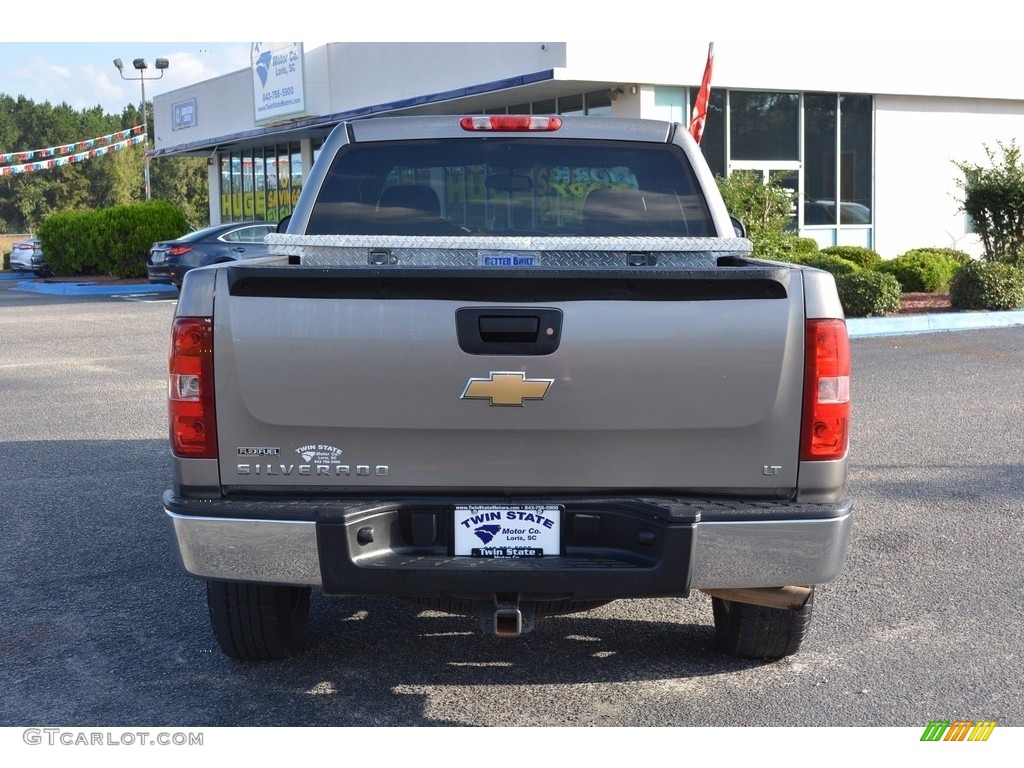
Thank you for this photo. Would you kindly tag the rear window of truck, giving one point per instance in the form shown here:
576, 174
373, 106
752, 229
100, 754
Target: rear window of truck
510, 187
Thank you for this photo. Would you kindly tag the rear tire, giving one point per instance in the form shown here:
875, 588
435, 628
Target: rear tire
756, 632
258, 622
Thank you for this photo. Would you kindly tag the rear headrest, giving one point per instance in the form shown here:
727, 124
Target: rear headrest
613, 211
605, 203
414, 198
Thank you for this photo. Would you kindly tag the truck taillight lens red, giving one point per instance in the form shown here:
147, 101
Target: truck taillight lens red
826, 421
190, 389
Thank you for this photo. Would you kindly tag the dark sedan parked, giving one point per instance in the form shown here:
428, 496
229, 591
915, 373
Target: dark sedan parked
169, 260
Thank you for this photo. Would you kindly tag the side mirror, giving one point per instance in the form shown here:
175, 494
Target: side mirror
737, 227
282, 225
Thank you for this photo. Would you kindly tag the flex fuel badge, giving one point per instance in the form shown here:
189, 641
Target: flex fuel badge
253, 451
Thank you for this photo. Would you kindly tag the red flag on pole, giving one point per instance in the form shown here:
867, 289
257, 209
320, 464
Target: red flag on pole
700, 104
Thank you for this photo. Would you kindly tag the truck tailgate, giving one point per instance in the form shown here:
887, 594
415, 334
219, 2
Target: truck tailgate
676, 380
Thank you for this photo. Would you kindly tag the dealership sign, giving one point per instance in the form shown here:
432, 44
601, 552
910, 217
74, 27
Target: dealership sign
184, 114
277, 82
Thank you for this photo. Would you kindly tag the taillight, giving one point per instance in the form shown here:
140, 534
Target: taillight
190, 389
178, 250
510, 123
826, 426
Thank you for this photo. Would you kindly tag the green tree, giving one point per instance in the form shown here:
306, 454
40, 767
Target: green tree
116, 178
183, 182
993, 197
765, 209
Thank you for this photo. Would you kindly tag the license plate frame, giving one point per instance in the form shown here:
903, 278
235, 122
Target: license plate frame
507, 531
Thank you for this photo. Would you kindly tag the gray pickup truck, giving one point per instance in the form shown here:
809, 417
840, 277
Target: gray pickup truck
509, 367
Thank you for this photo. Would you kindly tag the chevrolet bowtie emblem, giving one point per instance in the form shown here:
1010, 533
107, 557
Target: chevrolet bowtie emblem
503, 388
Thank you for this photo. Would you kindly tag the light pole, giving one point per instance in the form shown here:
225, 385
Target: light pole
141, 66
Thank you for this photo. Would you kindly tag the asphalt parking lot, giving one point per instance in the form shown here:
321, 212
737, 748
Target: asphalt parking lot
100, 627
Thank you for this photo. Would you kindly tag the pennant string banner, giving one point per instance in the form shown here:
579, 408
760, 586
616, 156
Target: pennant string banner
54, 162
134, 136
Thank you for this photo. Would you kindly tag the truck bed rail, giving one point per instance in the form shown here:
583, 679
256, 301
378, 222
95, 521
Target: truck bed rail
508, 252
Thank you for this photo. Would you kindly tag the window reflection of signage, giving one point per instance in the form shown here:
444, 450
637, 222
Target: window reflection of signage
266, 205
277, 82
184, 114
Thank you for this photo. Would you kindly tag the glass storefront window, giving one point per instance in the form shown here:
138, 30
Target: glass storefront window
825, 138
570, 105
855, 158
764, 125
544, 107
712, 143
261, 184
598, 103
820, 125
225, 188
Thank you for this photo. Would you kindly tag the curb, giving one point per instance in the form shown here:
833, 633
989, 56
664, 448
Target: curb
863, 327
92, 289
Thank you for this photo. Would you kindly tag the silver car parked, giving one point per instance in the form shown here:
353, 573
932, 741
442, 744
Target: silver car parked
27, 256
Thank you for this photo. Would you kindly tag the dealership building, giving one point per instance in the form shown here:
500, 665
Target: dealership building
867, 137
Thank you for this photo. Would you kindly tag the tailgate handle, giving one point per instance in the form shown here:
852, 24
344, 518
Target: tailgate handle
522, 328
508, 330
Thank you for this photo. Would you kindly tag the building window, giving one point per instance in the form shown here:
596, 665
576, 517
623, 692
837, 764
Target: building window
593, 103
764, 125
712, 143
837, 160
821, 124
598, 103
260, 184
855, 168
225, 188
571, 105
819, 144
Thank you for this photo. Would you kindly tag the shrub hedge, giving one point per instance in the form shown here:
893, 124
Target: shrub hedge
830, 263
865, 293
987, 285
112, 241
921, 270
865, 258
805, 246
954, 255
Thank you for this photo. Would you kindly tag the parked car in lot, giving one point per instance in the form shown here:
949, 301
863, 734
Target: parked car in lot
824, 212
27, 256
169, 260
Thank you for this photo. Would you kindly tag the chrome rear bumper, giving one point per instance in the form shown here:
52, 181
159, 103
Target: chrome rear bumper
692, 554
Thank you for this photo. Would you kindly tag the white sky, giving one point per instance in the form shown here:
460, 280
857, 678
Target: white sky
82, 73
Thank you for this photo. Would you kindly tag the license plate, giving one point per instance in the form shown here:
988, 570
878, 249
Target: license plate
158, 257
508, 532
